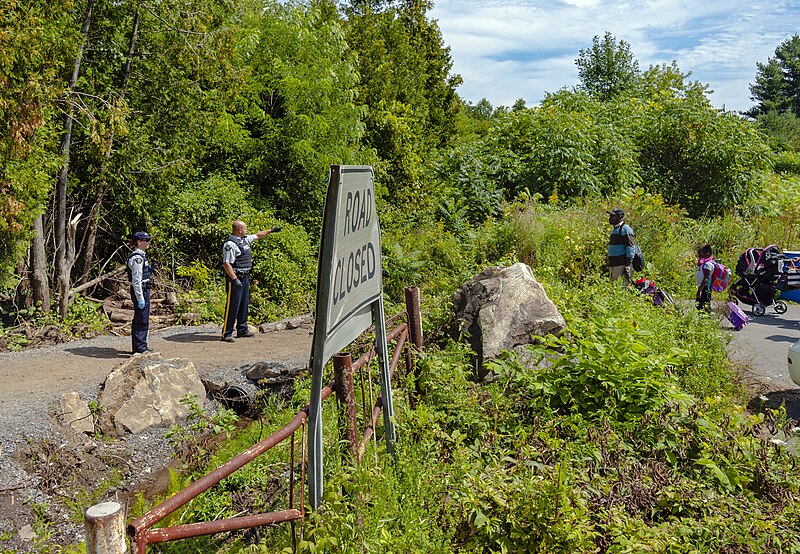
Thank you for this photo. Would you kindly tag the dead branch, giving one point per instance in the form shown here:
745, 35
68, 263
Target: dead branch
96, 280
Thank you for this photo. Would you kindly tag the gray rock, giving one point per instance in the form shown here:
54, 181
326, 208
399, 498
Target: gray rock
26, 533
271, 372
145, 392
75, 413
502, 308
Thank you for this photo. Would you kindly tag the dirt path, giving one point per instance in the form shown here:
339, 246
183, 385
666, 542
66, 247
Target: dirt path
32, 382
40, 376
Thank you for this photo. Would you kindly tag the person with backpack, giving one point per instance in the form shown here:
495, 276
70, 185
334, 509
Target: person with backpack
621, 247
711, 276
705, 269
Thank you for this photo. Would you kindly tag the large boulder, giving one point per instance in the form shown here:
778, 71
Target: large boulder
500, 309
145, 392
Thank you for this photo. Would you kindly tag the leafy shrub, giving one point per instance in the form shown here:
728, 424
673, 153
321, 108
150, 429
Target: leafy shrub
567, 243
200, 215
284, 277
787, 162
204, 294
192, 440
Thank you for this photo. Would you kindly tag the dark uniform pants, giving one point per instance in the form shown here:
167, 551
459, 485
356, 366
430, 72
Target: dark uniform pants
236, 306
141, 321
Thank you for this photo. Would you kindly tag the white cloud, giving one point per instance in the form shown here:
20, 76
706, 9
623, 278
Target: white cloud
509, 49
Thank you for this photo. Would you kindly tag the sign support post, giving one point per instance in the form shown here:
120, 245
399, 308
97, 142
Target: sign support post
386, 378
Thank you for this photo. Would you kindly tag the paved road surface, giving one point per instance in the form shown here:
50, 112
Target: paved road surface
762, 347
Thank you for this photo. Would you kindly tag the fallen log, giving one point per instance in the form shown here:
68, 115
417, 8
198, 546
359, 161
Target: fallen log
96, 280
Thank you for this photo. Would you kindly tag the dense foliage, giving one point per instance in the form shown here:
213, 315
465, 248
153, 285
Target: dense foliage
630, 435
188, 116
607, 68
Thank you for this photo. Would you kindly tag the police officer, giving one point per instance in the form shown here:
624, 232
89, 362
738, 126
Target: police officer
237, 261
139, 276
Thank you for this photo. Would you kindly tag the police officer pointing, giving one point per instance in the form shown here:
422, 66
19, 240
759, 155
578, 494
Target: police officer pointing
237, 261
139, 276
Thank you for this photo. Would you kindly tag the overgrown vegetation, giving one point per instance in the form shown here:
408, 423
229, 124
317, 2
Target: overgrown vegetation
630, 436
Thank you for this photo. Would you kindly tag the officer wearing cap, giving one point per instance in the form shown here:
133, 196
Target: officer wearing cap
237, 261
620, 247
139, 276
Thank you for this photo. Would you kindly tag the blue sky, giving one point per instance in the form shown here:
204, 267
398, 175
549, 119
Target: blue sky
509, 49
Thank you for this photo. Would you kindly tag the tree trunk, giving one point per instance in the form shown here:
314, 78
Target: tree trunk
63, 264
90, 237
38, 266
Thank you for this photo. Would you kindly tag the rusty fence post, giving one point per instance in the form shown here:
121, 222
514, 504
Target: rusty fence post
345, 397
105, 529
414, 315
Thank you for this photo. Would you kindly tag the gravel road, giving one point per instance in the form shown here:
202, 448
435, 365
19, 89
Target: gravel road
32, 382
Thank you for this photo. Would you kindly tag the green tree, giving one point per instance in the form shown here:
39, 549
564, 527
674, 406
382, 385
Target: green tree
36, 36
667, 139
482, 110
572, 145
777, 85
130, 119
607, 68
702, 159
157, 86
664, 81
406, 87
300, 113
782, 128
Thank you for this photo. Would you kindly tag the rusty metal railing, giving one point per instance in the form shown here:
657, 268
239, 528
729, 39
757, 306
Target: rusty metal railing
141, 529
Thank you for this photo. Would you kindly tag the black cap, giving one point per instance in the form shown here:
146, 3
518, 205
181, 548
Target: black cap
141, 235
617, 212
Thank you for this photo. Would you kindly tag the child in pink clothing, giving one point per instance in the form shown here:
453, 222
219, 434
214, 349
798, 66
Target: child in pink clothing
705, 267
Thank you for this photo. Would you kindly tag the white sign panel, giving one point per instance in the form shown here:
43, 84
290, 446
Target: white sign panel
350, 259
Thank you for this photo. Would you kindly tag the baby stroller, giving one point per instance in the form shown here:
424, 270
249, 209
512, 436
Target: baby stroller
762, 272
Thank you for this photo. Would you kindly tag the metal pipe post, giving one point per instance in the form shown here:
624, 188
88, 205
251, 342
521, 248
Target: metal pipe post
414, 314
105, 529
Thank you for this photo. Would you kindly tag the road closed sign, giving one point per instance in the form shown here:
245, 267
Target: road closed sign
349, 299
349, 279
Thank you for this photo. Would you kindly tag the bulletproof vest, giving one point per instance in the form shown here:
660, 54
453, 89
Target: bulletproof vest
145, 268
244, 261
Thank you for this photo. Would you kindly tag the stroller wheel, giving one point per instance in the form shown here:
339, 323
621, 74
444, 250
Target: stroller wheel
759, 309
780, 307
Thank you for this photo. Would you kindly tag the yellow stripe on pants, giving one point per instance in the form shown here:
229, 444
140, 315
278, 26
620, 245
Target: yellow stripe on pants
227, 307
